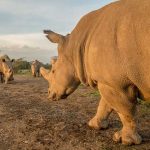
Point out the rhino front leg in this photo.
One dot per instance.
(99, 121)
(123, 101)
(1, 78)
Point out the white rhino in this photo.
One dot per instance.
(35, 68)
(108, 49)
(6, 69)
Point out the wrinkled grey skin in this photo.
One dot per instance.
(6, 69)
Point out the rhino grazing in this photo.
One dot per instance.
(108, 49)
(6, 69)
(35, 68)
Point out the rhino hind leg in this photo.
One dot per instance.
(123, 101)
(99, 121)
(128, 134)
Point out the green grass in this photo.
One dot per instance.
(81, 85)
(145, 106)
(91, 94)
(94, 94)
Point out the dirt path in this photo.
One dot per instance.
(28, 121)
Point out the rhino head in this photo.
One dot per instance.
(7, 69)
(62, 78)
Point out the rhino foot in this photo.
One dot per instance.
(96, 124)
(127, 138)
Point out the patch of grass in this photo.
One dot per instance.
(81, 85)
(91, 94)
(142, 102)
(145, 106)
(84, 94)
(94, 94)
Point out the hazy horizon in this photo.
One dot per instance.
(22, 24)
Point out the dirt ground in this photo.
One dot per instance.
(29, 121)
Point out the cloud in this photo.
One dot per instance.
(31, 39)
(30, 53)
(30, 46)
(33, 16)
(22, 23)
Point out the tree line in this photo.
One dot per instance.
(21, 64)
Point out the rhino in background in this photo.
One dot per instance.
(35, 68)
(6, 69)
(109, 49)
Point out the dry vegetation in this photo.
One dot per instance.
(31, 122)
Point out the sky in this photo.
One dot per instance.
(22, 23)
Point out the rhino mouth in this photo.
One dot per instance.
(64, 96)
(54, 97)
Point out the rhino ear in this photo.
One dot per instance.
(54, 37)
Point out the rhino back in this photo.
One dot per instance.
(108, 43)
(121, 41)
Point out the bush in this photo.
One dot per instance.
(21, 64)
(47, 66)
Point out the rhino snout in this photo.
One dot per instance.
(52, 96)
